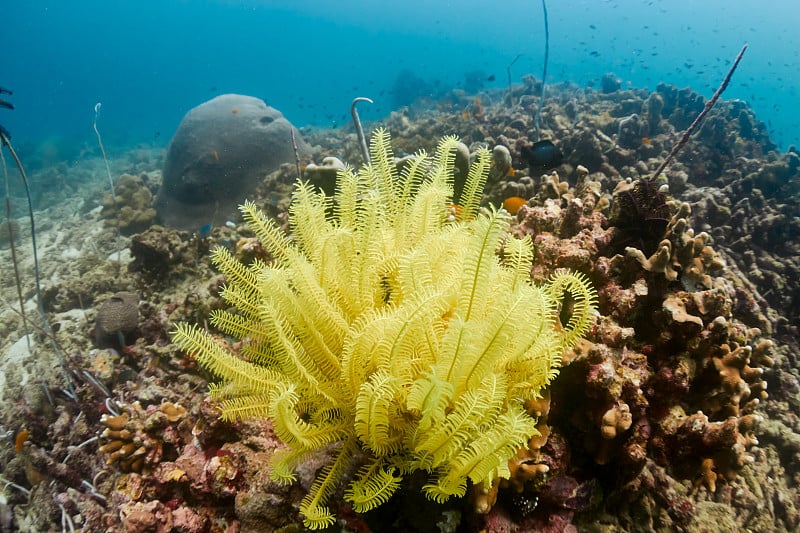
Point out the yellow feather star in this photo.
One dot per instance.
(409, 341)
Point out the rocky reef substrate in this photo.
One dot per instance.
(678, 412)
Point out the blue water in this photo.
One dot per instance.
(150, 61)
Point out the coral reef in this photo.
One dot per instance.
(658, 420)
(158, 250)
(134, 440)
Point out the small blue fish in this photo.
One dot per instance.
(205, 230)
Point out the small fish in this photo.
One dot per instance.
(592, 26)
(542, 156)
(19, 440)
(512, 204)
(204, 231)
(594, 53)
(234, 110)
(6, 91)
(216, 155)
(7, 105)
(491, 78)
(646, 141)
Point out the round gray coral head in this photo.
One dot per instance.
(220, 153)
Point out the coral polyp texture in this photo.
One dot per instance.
(394, 327)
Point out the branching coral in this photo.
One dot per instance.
(388, 328)
(134, 440)
(669, 378)
(681, 254)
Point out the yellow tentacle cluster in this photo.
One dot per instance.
(391, 327)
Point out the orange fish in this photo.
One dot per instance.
(19, 440)
(235, 111)
(512, 204)
(511, 171)
(453, 211)
(646, 141)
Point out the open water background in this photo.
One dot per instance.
(150, 61)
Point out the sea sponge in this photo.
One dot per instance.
(117, 318)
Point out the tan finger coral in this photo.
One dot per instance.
(134, 440)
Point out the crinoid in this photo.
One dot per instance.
(390, 332)
(8, 105)
(640, 213)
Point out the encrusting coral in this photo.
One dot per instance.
(389, 326)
